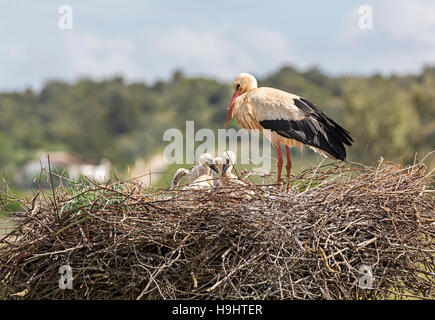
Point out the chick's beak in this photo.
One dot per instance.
(214, 167)
(224, 168)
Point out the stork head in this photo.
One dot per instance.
(229, 161)
(206, 159)
(244, 82)
(218, 162)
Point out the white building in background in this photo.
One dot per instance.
(61, 161)
(98, 173)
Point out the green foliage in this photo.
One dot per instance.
(82, 195)
(381, 117)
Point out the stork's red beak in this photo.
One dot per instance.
(230, 109)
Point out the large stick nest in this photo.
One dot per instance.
(237, 242)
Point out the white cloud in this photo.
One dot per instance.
(409, 20)
(402, 38)
(149, 54)
(222, 52)
(99, 57)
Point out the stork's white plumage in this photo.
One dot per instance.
(179, 174)
(292, 120)
(201, 176)
(229, 182)
(203, 168)
(229, 160)
(203, 182)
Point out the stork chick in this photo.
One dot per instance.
(228, 164)
(200, 174)
(180, 173)
(231, 184)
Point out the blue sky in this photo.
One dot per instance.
(147, 40)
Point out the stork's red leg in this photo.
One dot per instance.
(288, 167)
(280, 162)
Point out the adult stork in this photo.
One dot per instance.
(292, 120)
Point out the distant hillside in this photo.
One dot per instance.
(388, 116)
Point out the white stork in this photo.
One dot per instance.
(206, 167)
(292, 120)
(229, 182)
(228, 164)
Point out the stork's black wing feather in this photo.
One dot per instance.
(315, 129)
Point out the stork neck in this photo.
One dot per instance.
(238, 102)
